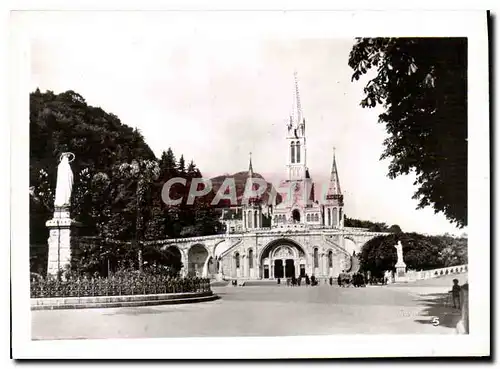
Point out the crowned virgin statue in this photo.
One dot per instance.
(64, 180)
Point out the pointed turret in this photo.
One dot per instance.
(252, 211)
(333, 214)
(250, 183)
(334, 187)
(250, 168)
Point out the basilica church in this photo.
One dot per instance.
(302, 234)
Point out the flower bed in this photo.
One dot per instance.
(117, 285)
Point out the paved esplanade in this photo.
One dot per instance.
(267, 311)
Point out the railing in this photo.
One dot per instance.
(116, 286)
(413, 275)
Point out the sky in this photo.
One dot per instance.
(216, 88)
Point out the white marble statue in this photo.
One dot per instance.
(399, 249)
(64, 180)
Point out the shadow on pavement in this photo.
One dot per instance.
(439, 309)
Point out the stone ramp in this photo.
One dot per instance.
(354, 264)
(219, 283)
(262, 282)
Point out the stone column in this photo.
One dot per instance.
(59, 241)
(245, 267)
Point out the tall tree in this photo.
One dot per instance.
(167, 164)
(420, 252)
(422, 85)
(193, 171)
(181, 168)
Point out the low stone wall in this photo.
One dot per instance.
(53, 303)
(413, 275)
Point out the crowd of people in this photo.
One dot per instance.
(343, 280)
(294, 281)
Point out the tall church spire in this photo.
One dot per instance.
(334, 186)
(297, 117)
(297, 107)
(296, 138)
(250, 168)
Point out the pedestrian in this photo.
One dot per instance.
(339, 280)
(313, 280)
(307, 280)
(299, 280)
(455, 293)
(331, 281)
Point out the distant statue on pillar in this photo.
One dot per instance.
(400, 264)
(59, 257)
(64, 182)
(399, 250)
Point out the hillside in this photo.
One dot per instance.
(240, 179)
(64, 122)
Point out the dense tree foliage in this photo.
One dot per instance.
(422, 85)
(117, 179)
(65, 122)
(420, 252)
(371, 226)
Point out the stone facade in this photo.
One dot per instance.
(270, 253)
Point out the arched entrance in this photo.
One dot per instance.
(351, 246)
(197, 256)
(174, 258)
(296, 216)
(282, 258)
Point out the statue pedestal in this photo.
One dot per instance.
(59, 240)
(400, 275)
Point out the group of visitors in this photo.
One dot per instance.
(347, 280)
(294, 281)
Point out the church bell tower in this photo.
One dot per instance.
(296, 139)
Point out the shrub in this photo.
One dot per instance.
(121, 283)
(446, 273)
(441, 272)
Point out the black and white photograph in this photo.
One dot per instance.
(249, 184)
